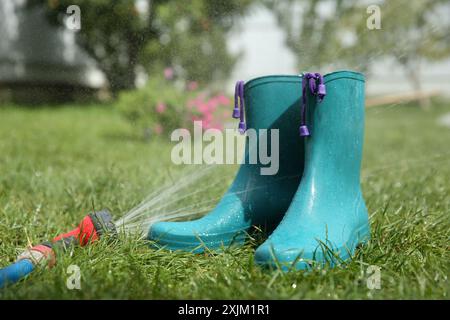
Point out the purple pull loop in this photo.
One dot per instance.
(242, 127)
(321, 90)
(312, 84)
(236, 113)
(310, 80)
(304, 132)
(239, 104)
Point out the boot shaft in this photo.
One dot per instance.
(273, 102)
(337, 128)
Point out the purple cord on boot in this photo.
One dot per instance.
(238, 111)
(310, 80)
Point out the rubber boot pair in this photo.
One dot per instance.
(315, 193)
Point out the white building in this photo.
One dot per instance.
(34, 53)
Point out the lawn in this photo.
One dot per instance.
(58, 163)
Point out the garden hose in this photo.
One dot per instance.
(15, 271)
(91, 228)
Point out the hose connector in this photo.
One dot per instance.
(39, 254)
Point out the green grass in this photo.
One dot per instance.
(56, 163)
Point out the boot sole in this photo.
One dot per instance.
(362, 234)
(217, 242)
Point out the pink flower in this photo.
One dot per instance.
(168, 73)
(208, 117)
(223, 99)
(192, 85)
(160, 107)
(158, 129)
(203, 108)
(213, 103)
(206, 124)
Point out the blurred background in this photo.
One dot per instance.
(90, 91)
(165, 63)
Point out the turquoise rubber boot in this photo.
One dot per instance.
(271, 102)
(328, 217)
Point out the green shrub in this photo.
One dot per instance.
(162, 106)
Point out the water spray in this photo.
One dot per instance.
(94, 226)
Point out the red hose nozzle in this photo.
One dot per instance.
(90, 229)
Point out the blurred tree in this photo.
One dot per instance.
(187, 36)
(335, 33)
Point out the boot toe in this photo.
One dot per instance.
(185, 236)
(283, 257)
(298, 257)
